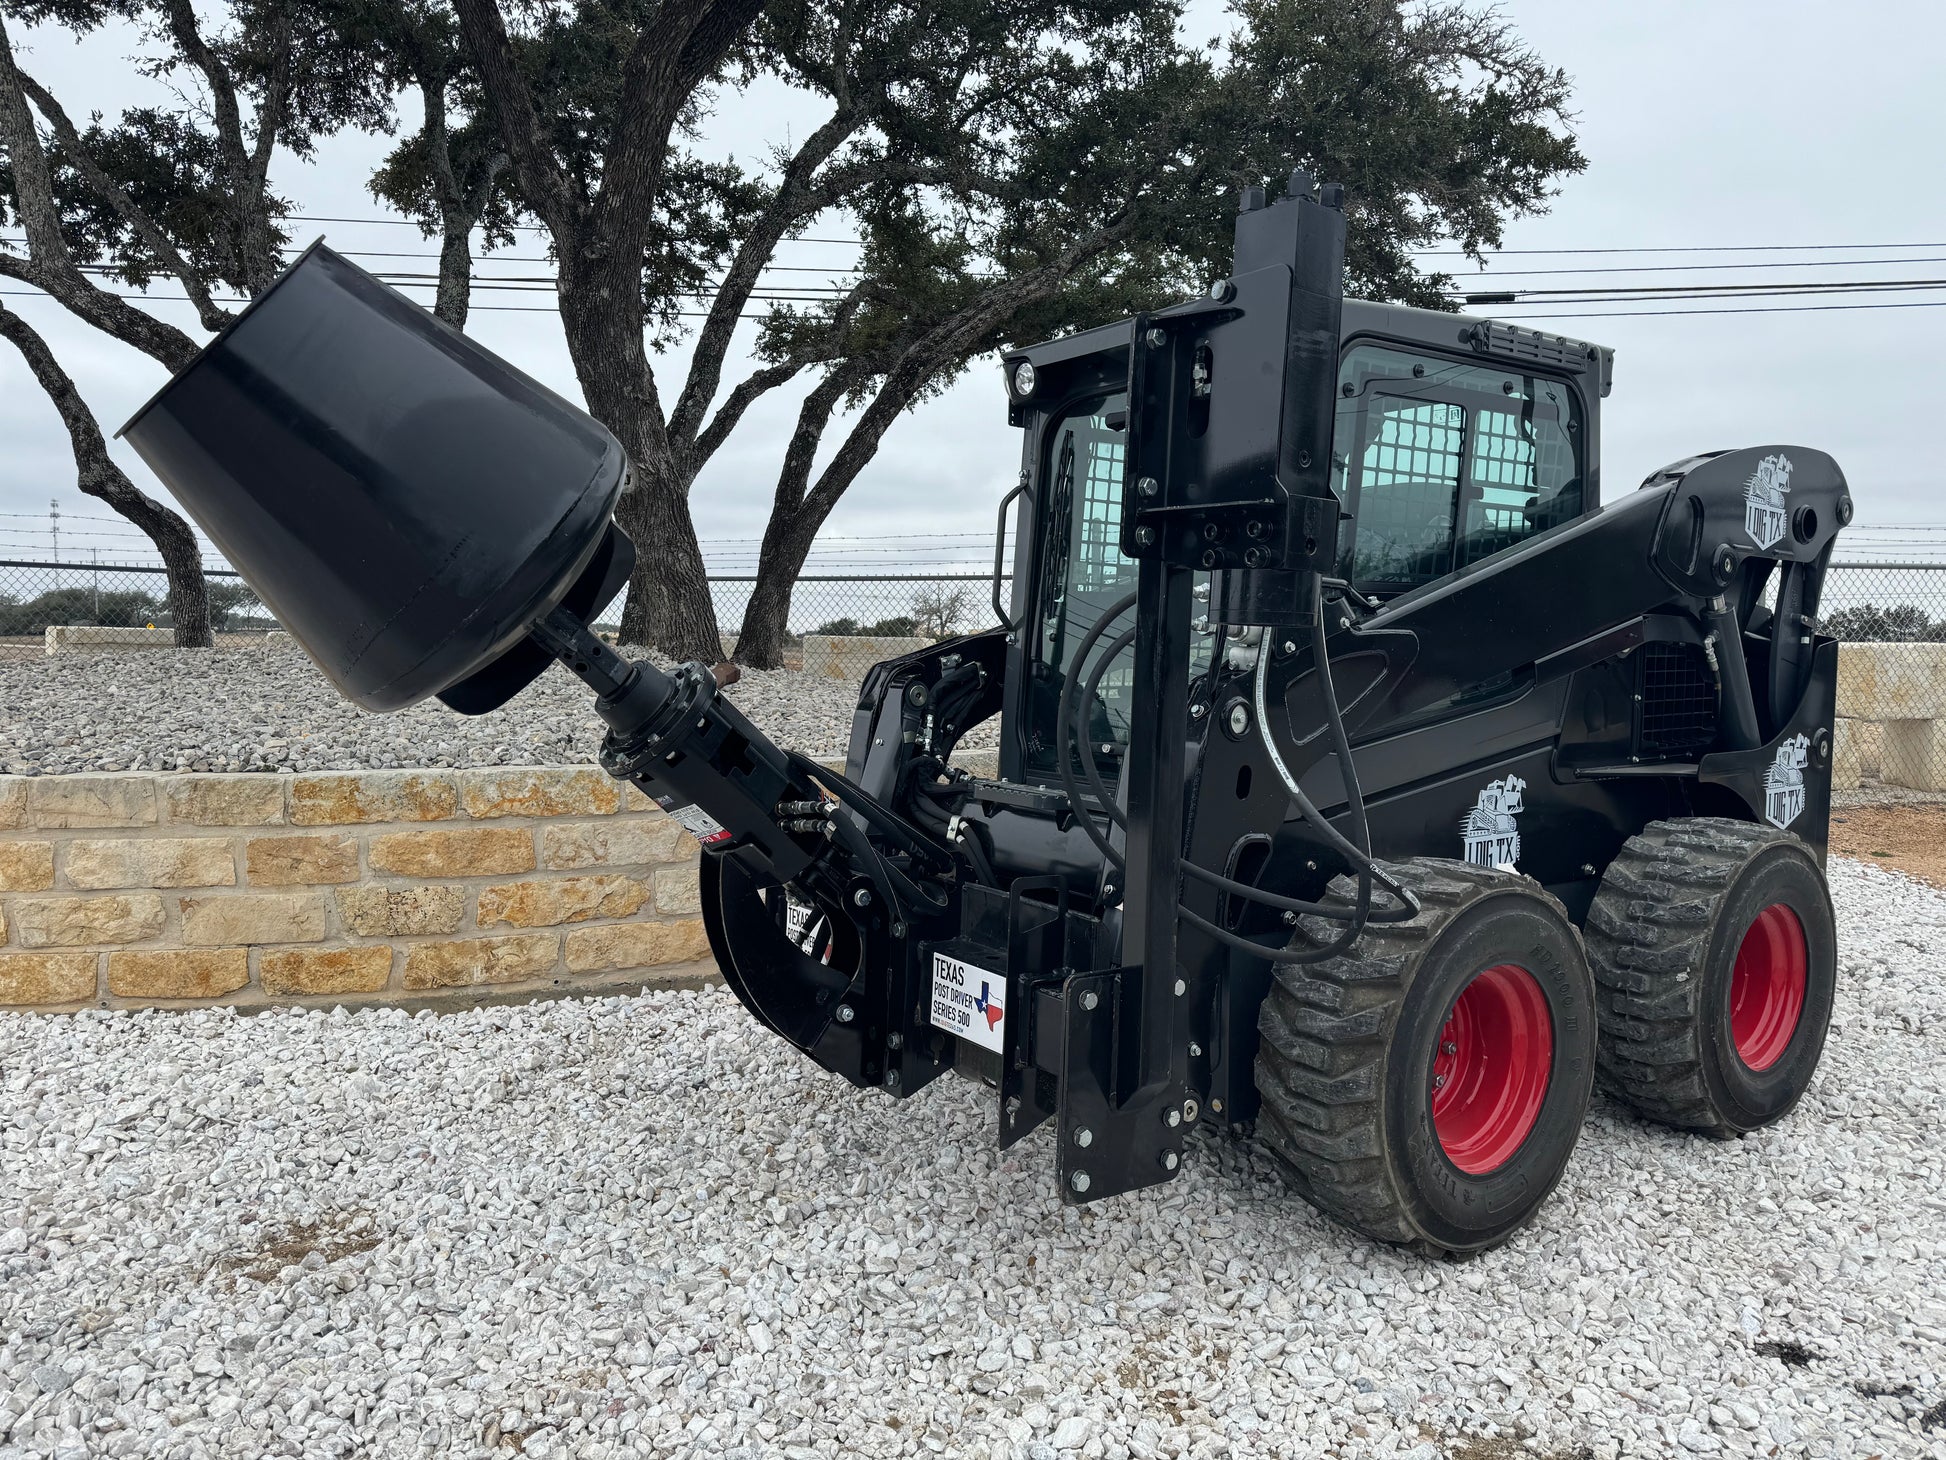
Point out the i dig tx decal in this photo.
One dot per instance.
(1784, 782)
(1489, 831)
(1764, 512)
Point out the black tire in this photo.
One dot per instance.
(1663, 937)
(1345, 1066)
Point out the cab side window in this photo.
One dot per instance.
(1441, 464)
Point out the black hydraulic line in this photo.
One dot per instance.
(891, 881)
(969, 841)
(1085, 743)
(1064, 730)
(1244, 945)
(1279, 903)
(867, 806)
(1358, 853)
(1740, 730)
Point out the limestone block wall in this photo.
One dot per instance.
(141, 888)
(848, 656)
(1892, 699)
(70, 638)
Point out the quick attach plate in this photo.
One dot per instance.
(1108, 1148)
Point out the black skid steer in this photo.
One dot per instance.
(1369, 772)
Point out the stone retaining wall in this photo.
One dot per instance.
(140, 888)
(1893, 695)
(848, 656)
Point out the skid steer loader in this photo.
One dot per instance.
(1369, 775)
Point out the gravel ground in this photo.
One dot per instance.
(258, 710)
(645, 1227)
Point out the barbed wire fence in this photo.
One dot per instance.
(1864, 603)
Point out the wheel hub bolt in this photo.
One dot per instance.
(1439, 1082)
(1449, 1048)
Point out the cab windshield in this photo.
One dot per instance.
(1080, 573)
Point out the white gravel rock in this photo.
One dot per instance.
(272, 710)
(675, 1237)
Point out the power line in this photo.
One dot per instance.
(1610, 293)
(540, 228)
(1748, 309)
(1694, 268)
(477, 308)
(1684, 248)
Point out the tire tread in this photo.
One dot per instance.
(1648, 934)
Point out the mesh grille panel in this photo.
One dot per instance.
(1678, 698)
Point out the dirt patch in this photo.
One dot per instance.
(1788, 1351)
(1509, 1444)
(1910, 838)
(341, 1235)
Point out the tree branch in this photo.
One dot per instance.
(678, 49)
(270, 114)
(746, 393)
(40, 215)
(252, 246)
(212, 315)
(512, 103)
(759, 245)
(937, 349)
(99, 476)
(48, 265)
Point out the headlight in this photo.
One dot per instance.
(1024, 379)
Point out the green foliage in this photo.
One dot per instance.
(119, 609)
(230, 602)
(170, 169)
(1089, 120)
(171, 161)
(1897, 623)
(899, 626)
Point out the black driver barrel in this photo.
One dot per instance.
(406, 503)
(427, 520)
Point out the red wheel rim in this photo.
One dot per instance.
(1767, 987)
(1490, 1071)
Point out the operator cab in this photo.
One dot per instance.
(1455, 440)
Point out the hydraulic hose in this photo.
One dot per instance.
(1085, 744)
(1358, 851)
(1064, 731)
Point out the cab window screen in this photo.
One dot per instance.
(1442, 464)
(1080, 573)
(1409, 475)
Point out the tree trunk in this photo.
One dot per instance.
(97, 474)
(766, 618)
(669, 605)
(188, 589)
(455, 292)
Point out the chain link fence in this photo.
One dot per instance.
(1892, 680)
(35, 596)
(1891, 696)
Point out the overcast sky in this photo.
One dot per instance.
(1727, 125)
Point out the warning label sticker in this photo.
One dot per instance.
(698, 822)
(969, 1001)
